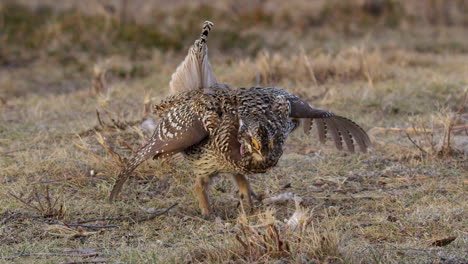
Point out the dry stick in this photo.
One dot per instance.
(192, 217)
(81, 223)
(88, 252)
(233, 230)
(98, 115)
(103, 126)
(117, 124)
(28, 204)
(58, 198)
(461, 109)
(92, 226)
(310, 69)
(123, 141)
(53, 254)
(134, 221)
(17, 150)
(87, 261)
(144, 219)
(38, 200)
(49, 203)
(6, 219)
(407, 130)
(459, 127)
(99, 220)
(431, 139)
(34, 142)
(414, 143)
(118, 159)
(88, 151)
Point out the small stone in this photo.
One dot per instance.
(314, 188)
(319, 182)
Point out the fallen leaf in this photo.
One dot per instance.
(444, 242)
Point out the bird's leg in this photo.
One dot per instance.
(244, 189)
(201, 191)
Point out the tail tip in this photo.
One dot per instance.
(208, 23)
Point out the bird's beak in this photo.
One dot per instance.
(257, 154)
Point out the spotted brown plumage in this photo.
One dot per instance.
(223, 130)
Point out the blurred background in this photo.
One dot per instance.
(77, 33)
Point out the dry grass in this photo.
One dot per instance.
(401, 74)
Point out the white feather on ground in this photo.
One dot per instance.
(300, 216)
(283, 198)
(148, 126)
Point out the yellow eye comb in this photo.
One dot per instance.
(255, 143)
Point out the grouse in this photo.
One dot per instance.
(223, 130)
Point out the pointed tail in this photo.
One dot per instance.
(144, 153)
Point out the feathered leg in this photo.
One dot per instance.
(244, 189)
(201, 191)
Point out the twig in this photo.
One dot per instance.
(99, 220)
(134, 221)
(151, 217)
(28, 204)
(459, 127)
(427, 138)
(118, 159)
(93, 226)
(18, 150)
(99, 118)
(126, 144)
(6, 219)
(233, 230)
(100, 260)
(117, 126)
(88, 151)
(407, 130)
(309, 67)
(414, 143)
(321, 94)
(460, 111)
(85, 253)
(38, 200)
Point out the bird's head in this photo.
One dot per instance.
(255, 140)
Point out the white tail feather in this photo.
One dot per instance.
(195, 71)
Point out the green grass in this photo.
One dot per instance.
(386, 206)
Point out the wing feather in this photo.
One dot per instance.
(169, 137)
(307, 124)
(335, 132)
(340, 128)
(322, 130)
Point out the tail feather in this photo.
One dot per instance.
(342, 129)
(339, 128)
(144, 153)
(195, 71)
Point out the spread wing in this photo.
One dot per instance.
(340, 128)
(195, 71)
(175, 132)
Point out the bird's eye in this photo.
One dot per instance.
(255, 143)
(272, 142)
